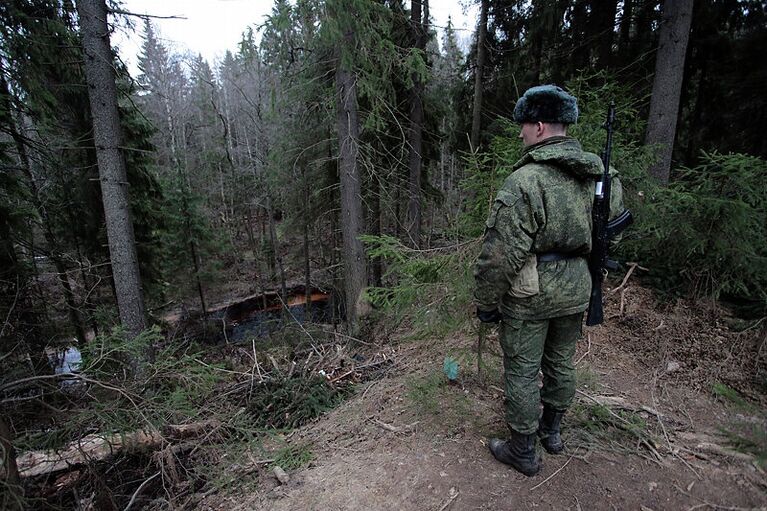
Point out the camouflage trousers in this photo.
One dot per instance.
(546, 345)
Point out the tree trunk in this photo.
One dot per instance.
(355, 267)
(478, 74)
(579, 22)
(415, 135)
(376, 230)
(537, 34)
(625, 27)
(307, 254)
(102, 94)
(603, 29)
(667, 84)
(277, 257)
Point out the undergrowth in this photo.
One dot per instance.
(429, 290)
(747, 431)
(289, 402)
(433, 396)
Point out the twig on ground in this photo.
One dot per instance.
(140, 489)
(372, 384)
(341, 377)
(588, 349)
(673, 452)
(394, 429)
(223, 330)
(623, 300)
(632, 267)
(453, 495)
(624, 424)
(705, 503)
(560, 469)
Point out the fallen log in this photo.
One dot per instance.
(100, 446)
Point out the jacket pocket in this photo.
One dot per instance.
(526, 282)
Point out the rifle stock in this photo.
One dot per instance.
(595, 315)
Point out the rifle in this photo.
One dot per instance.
(603, 229)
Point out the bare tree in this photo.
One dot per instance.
(102, 93)
(667, 84)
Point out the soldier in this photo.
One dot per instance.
(532, 274)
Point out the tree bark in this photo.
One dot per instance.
(667, 83)
(415, 135)
(102, 93)
(480, 70)
(351, 194)
(376, 214)
(579, 23)
(307, 254)
(277, 257)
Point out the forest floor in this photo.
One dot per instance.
(679, 425)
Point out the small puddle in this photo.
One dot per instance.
(67, 360)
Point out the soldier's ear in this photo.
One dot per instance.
(539, 128)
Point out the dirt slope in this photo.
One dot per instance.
(411, 441)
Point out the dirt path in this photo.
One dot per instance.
(411, 441)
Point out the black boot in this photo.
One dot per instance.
(548, 430)
(518, 451)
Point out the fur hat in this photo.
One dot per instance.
(546, 103)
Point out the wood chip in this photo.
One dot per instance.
(281, 475)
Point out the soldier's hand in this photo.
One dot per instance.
(493, 316)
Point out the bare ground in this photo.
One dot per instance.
(411, 441)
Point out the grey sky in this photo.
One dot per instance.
(213, 26)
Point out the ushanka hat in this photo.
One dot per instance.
(546, 103)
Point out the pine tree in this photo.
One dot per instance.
(667, 84)
(108, 139)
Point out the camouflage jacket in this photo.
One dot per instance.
(543, 206)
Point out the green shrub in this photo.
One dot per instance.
(431, 289)
(290, 402)
(708, 229)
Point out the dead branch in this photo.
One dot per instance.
(632, 267)
(452, 495)
(705, 503)
(560, 469)
(623, 300)
(140, 489)
(588, 350)
(99, 447)
(394, 429)
(145, 16)
(707, 444)
(619, 402)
